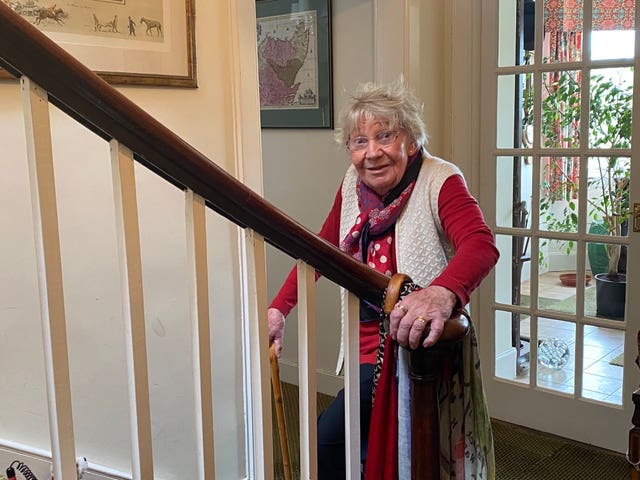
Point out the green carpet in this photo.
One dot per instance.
(291, 418)
(521, 453)
(524, 454)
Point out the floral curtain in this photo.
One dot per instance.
(563, 25)
(567, 15)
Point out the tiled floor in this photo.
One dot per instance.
(601, 380)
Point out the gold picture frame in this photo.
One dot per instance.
(147, 42)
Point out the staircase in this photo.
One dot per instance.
(141, 317)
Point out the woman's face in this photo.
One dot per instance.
(380, 166)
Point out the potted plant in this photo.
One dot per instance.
(610, 127)
(608, 181)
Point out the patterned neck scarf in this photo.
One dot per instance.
(377, 217)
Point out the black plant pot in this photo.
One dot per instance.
(610, 295)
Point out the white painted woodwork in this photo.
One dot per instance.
(128, 242)
(260, 370)
(390, 52)
(199, 313)
(566, 414)
(49, 264)
(246, 145)
(307, 370)
(464, 130)
(352, 387)
(245, 94)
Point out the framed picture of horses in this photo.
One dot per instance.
(294, 63)
(146, 42)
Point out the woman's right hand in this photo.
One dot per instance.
(275, 320)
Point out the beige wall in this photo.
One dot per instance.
(93, 307)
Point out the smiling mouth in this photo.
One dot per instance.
(378, 168)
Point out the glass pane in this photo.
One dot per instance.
(608, 196)
(557, 276)
(610, 104)
(613, 24)
(603, 364)
(512, 348)
(562, 31)
(513, 197)
(559, 180)
(612, 44)
(515, 111)
(513, 271)
(560, 114)
(514, 48)
(590, 294)
(556, 354)
(608, 262)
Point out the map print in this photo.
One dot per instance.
(287, 61)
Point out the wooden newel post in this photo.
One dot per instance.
(633, 452)
(633, 449)
(425, 370)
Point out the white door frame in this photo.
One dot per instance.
(571, 416)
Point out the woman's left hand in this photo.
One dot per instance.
(430, 306)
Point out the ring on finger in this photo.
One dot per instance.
(421, 320)
(402, 308)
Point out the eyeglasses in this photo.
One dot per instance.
(382, 139)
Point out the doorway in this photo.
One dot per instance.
(558, 98)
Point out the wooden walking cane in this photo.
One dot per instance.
(277, 396)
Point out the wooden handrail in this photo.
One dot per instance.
(80, 93)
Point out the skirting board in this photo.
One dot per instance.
(39, 462)
(326, 382)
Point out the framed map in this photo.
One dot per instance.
(141, 42)
(294, 63)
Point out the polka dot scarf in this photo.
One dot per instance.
(370, 240)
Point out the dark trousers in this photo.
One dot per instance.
(331, 453)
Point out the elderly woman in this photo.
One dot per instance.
(399, 209)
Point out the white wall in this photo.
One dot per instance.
(94, 321)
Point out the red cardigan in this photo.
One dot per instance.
(464, 226)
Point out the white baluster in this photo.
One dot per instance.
(128, 237)
(47, 241)
(352, 387)
(307, 371)
(259, 356)
(199, 313)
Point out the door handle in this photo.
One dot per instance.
(635, 213)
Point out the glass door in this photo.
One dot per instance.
(559, 79)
